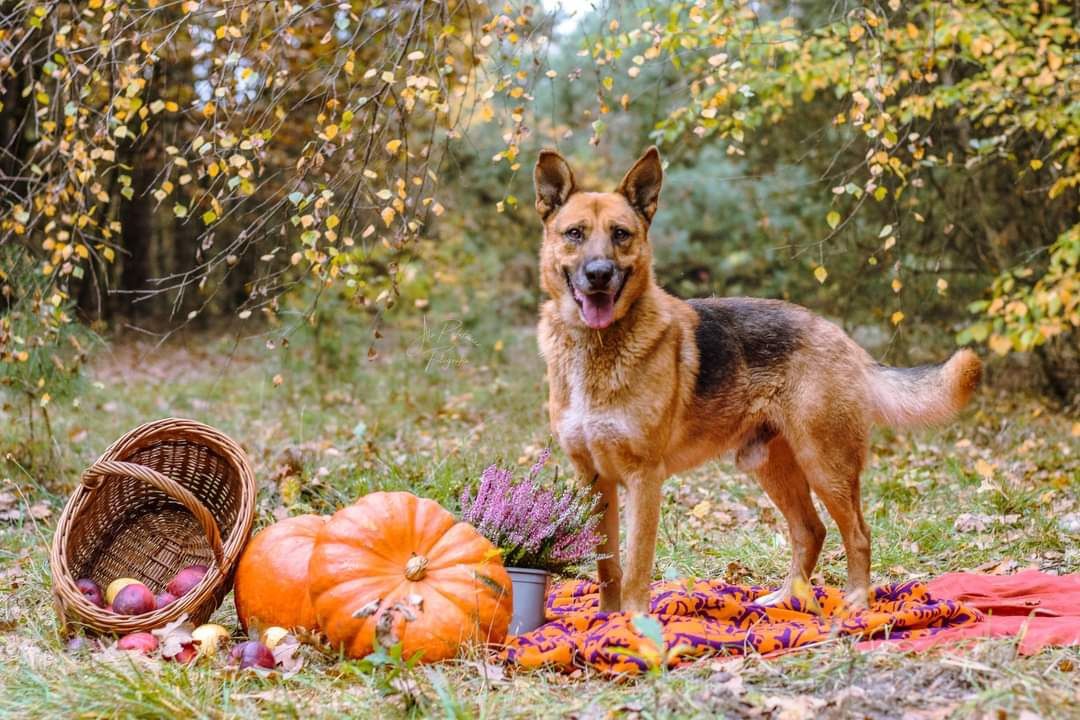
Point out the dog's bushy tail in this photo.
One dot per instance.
(924, 395)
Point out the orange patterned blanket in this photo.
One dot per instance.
(700, 618)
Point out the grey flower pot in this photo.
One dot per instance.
(530, 592)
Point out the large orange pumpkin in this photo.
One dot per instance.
(272, 575)
(393, 567)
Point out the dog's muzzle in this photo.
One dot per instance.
(596, 286)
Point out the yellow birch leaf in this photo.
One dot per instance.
(1000, 344)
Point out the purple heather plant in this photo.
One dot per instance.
(535, 526)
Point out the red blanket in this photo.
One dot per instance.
(1043, 610)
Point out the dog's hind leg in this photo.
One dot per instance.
(833, 468)
(784, 482)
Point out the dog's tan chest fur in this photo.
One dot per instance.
(613, 402)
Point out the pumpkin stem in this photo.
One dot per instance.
(416, 567)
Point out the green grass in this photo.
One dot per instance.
(441, 401)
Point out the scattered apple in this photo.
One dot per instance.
(253, 654)
(187, 653)
(163, 598)
(210, 637)
(115, 587)
(91, 591)
(273, 635)
(133, 599)
(186, 579)
(142, 642)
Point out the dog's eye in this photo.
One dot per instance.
(573, 234)
(620, 234)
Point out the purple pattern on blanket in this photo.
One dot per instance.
(702, 618)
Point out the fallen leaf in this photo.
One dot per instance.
(797, 707)
(174, 636)
(972, 522)
(701, 509)
(493, 672)
(287, 656)
(938, 712)
(727, 681)
(998, 567)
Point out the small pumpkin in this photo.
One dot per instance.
(393, 567)
(272, 575)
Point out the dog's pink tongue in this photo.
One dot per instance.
(598, 309)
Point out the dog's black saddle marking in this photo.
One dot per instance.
(731, 331)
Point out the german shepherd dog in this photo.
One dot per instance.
(644, 385)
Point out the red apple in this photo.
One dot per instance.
(115, 587)
(91, 591)
(134, 599)
(142, 642)
(186, 579)
(108, 608)
(163, 598)
(253, 654)
(187, 653)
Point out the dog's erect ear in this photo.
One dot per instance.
(641, 186)
(554, 182)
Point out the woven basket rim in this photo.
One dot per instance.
(73, 607)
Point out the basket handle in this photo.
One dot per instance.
(95, 475)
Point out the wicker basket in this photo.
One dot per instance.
(168, 494)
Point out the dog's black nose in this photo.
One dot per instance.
(599, 272)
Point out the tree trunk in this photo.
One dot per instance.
(137, 233)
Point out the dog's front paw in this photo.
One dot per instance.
(610, 602)
(636, 603)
